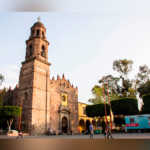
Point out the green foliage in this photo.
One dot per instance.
(125, 106)
(1, 78)
(143, 80)
(2, 95)
(123, 66)
(9, 112)
(146, 106)
(97, 90)
(132, 93)
(144, 89)
(143, 74)
(111, 84)
(97, 110)
(97, 93)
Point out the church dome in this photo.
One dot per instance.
(39, 24)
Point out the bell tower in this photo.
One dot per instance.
(34, 82)
(37, 44)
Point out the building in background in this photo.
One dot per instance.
(85, 121)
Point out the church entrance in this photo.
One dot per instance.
(64, 125)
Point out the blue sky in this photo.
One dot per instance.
(83, 42)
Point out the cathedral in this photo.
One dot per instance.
(47, 103)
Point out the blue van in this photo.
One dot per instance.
(138, 123)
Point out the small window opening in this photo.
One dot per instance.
(30, 50)
(43, 51)
(43, 35)
(38, 32)
(32, 32)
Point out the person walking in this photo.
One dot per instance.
(91, 130)
(20, 135)
(108, 134)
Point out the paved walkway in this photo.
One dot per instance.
(101, 136)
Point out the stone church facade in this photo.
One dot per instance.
(46, 103)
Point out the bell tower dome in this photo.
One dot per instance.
(37, 44)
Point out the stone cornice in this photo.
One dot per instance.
(32, 38)
(36, 58)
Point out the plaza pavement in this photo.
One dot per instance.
(100, 136)
(132, 141)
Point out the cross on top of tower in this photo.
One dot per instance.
(39, 19)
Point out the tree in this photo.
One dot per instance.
(142, 82)
(1, 79)
(98, 95)
(146, 106)
(97, 110)
(143, 75)
(9, 113)
(144, 89)
(125, 106)
(111, 86)
(108, 85)
(1, 91)
(2, 95)
(123, 66)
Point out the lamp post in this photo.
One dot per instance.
(107, 88)
(105, 105)
(109, 105)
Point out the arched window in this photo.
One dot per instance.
(94, 122)
(81, 123)
(26, 95)
(38, 32)
(43, 34)
(30, 50)
(43, 51)
(99, 123)
(63, 98)
(84, 110)
(32, 32)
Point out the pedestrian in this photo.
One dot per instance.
(48, 132)
(103, 127)
(108, 134)
(91, 130)
(20, 135)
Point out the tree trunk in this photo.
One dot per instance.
(9, 123)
